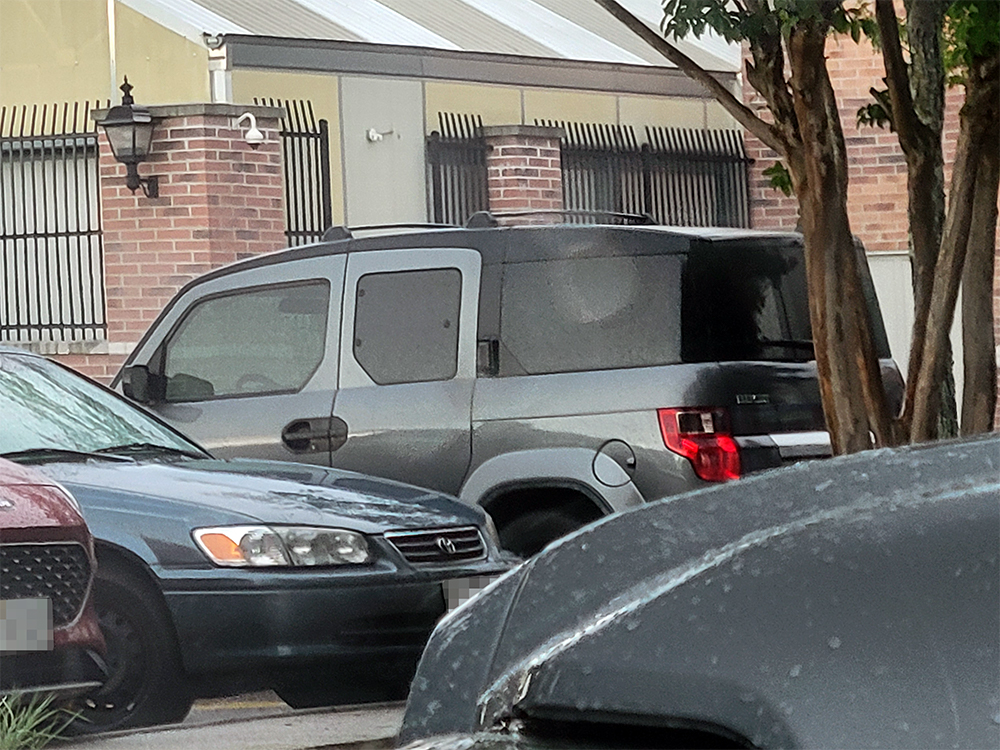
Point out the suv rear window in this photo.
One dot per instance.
(590, 314)
(721, 302)
(745, 302)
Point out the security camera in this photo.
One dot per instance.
(253, 136)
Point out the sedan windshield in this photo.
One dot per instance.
(49, 413)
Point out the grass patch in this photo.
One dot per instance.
(30, 722)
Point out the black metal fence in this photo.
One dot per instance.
(305, 144)
(51, 248)
(678, 177)
(456, 169)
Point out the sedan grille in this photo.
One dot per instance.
(59, 572)
(438, 545)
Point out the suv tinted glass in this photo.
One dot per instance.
(406, 325)
(745, 303)
(263, 340)
(590, 314)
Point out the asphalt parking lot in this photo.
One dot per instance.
(260, 721)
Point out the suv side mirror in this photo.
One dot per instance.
(143, 386)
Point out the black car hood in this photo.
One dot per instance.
(843, 603)
(265, 491)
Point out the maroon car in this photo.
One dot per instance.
(50, 641)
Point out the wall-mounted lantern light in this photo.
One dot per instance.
(129, 128)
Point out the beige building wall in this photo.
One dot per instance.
(53, 51)
(569, 106)
(497, 105)
(58, 51)
(323, 91)
(164, 67)
(504, 105)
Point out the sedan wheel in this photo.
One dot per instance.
(145, 683)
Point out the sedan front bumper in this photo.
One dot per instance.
(231, 620)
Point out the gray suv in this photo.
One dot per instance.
(550, 373)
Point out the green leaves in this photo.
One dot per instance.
(878, 113)
(780, 179)
(749, 21)
(971, 31)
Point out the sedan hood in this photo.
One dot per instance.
(767, 610)
(264, 491)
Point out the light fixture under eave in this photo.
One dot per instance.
(129, 128)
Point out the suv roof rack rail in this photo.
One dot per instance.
(340, 232)
(484, 219)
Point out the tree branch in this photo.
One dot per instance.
(766, 132)
(904, 119)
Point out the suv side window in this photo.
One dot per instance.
(585, 314)
(406, 325)
(261, 340)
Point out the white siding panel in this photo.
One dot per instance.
(376, 23)
(552, 30)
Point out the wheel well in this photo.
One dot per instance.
(511, 502)
(129, 565)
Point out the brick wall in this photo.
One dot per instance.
(524, 168)
(219, 201)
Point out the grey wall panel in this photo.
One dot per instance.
(385, 179)
(891, 276)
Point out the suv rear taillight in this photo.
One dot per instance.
(704, 437)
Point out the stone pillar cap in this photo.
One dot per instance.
(208, 109)
(531, 131)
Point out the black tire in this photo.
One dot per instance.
(527, 534)
(146, 683)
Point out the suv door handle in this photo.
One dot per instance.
(315, 434)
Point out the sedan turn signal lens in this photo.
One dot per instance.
(296, 546)
(242, 546)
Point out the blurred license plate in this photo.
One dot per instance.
(25, 625)
(458, 591)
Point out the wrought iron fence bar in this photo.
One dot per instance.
(50, 237)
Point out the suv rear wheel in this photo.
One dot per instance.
(527, 520)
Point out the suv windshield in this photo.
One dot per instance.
(47, 409)
(745, 302)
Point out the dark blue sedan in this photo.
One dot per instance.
(216, 576)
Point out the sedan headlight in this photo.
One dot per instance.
(263, 546)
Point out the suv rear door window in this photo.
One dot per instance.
(745, 302)
(406, 325)
(590, 314)
(262, 340)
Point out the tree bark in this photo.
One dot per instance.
(850, 382)
(981, 95)
(917, 117)
(980, 390)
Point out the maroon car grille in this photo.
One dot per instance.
(59, 572)
(439, 545)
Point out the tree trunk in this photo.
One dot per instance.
(850, 382)
(980, 108)
(979, 396)
(917, 96)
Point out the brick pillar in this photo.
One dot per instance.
(524, 168)
(220, 200)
